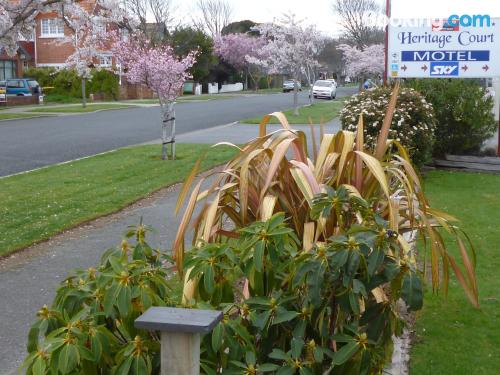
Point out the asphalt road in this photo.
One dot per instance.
(33, 143)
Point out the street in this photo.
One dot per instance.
(33, 143)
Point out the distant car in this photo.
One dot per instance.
(3, 93)
(333, 81)
(21, 86)
(289, 85)
(324, 89)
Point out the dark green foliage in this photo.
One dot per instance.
(44, 76)
(106, 83)
(89, 329)
(286, 310)
(67, 82)
(64, 84)
(238, 27)
(329, 308)
(463, 113)
(186, 39)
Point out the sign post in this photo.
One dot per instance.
(458, 47)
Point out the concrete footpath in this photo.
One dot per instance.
(28, 279)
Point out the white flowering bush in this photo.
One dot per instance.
(413, 123)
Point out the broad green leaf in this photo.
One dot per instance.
(285, 316)
(124, 300)
(297, 346)
(286, 371)
(96, 347)
(208, 279)
(250, 358)
(39, 366)
(412, 291)
(267, 367)
(68, 358)
(345, 353)
(217, 337)
(259, 256)
(279, 354)
(124, 368)
(139, 366)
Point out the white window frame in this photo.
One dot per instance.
(105, 60)
(51, 28)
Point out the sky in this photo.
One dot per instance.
(320, 11)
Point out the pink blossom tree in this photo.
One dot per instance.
(159, 69)
(241, 51)
(362, 63)
(291, 49)
(88, 30)
(17, 18)
(90, 38)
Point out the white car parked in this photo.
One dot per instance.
(324, 89)
(333, 81)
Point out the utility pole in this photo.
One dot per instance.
(388, 17)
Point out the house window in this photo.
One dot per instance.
(52, 27)
(7, 69)
(105, 60)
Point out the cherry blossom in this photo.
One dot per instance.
(291, 49)
(369, 61)
(159, 69)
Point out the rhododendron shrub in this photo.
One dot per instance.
(413, 124)
(159, 69)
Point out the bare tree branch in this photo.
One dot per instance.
(215, 15)
(354, 15)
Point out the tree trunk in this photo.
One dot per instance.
(311, 97)
(84, 94)
(295, 98)
(168, 120)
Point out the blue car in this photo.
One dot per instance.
(21, 87)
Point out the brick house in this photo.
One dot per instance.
(49, 29)
(13, 66)
(47, 49)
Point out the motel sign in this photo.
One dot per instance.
(430, 49)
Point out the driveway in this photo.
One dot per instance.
(33, 143)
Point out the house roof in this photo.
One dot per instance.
(25, 47)
(28, 48)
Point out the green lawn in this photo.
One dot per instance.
(262, 91)
(319, 111)
(453, 337)
(183, 98)
(36, 205)
(79, 108)
(11, 116)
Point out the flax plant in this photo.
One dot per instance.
(274, 173)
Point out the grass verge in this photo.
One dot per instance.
(181, 99)
(319, 111)
(79, 109)
(452, 336)
(13, 116)
(39, 204)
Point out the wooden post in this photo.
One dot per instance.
(180, 331)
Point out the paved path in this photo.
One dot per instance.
(28, 279)
(32, 143)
